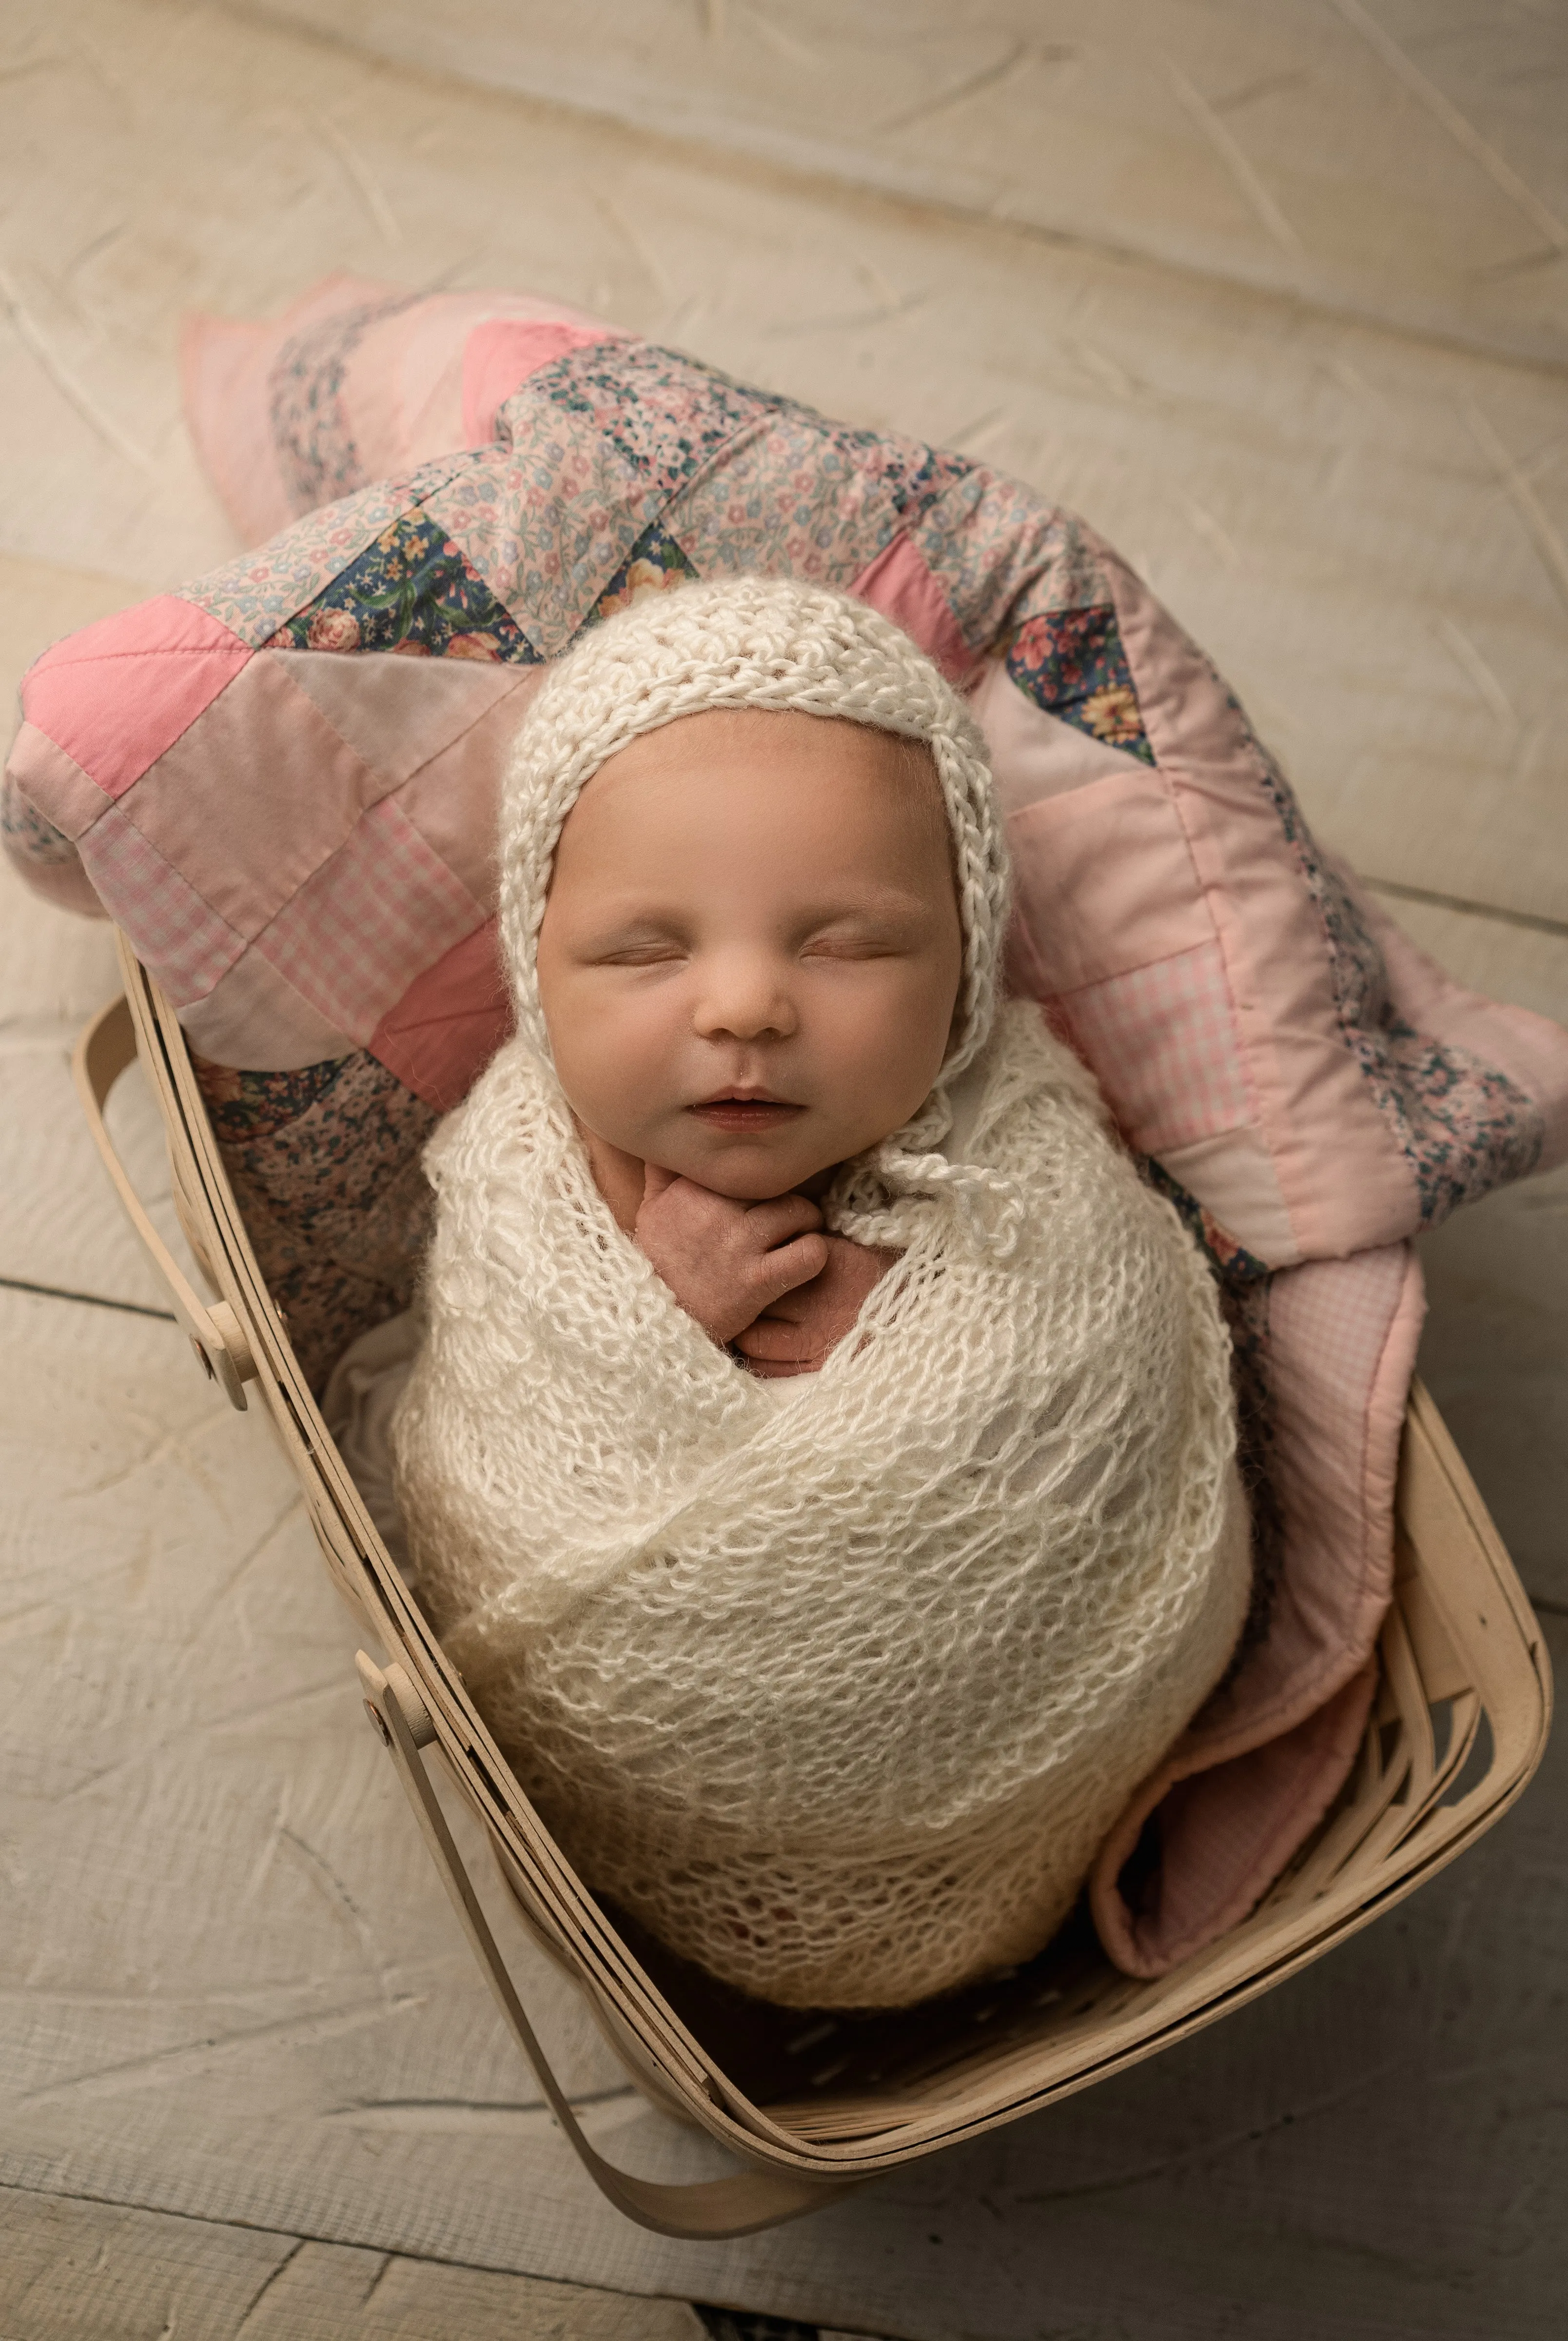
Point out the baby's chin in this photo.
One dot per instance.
(755, 1175)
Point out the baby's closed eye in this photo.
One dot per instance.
(897, 932)
(654, 953)
(854, 946)
(631, 938)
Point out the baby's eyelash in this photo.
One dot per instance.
(640, 954)
(849, 947)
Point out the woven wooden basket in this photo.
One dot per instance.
(812, 2107)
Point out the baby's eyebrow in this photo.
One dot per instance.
(884, 903)
(632, 909)
(619, 918)
(613, 934)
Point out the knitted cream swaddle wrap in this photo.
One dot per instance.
(837, 1683)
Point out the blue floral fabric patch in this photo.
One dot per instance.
(412, 591)
(654, 564)
(1231, 1262)
(1072, 664)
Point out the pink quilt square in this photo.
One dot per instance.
(116, 695)
(1163, 1043)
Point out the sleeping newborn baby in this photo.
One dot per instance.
(819, 1457)
(749, 965)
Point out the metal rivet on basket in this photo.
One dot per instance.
(207, 1361)
(379, 1720)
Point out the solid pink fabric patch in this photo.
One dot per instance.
(1105, 882)
(449, 1023)
(501, 356)
(899, 584)
(1226, 1834)
(117, 695)
(1258, 1767)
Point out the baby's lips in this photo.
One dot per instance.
(740, 1114)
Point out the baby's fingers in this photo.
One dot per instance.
(786, 1266)
(771, 1342)
(768, 1225)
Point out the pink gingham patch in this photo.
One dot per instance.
(1163, 1041)
(383, 908)
(170, 926)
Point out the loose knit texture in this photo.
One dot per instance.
(838, 1685)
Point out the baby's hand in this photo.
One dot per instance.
(725, 1260)
(795, 1333)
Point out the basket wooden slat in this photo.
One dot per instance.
(1458, 1726)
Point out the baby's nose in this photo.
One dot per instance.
(745, 999)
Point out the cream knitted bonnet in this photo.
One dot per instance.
(769, 642)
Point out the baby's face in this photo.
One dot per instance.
(750, 951)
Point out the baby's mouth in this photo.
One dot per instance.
(742, 1111)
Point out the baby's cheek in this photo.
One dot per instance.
(880, 1062)
(612, 1063)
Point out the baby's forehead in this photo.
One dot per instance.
(785, 789)
(764, 752)
(779, 736)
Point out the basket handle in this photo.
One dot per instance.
(707, 2210)
(102, 1054)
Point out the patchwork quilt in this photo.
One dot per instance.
(281, 782)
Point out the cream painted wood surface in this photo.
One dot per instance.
(238, 2018)
(1394, 159)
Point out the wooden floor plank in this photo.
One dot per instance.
(79, 2271)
